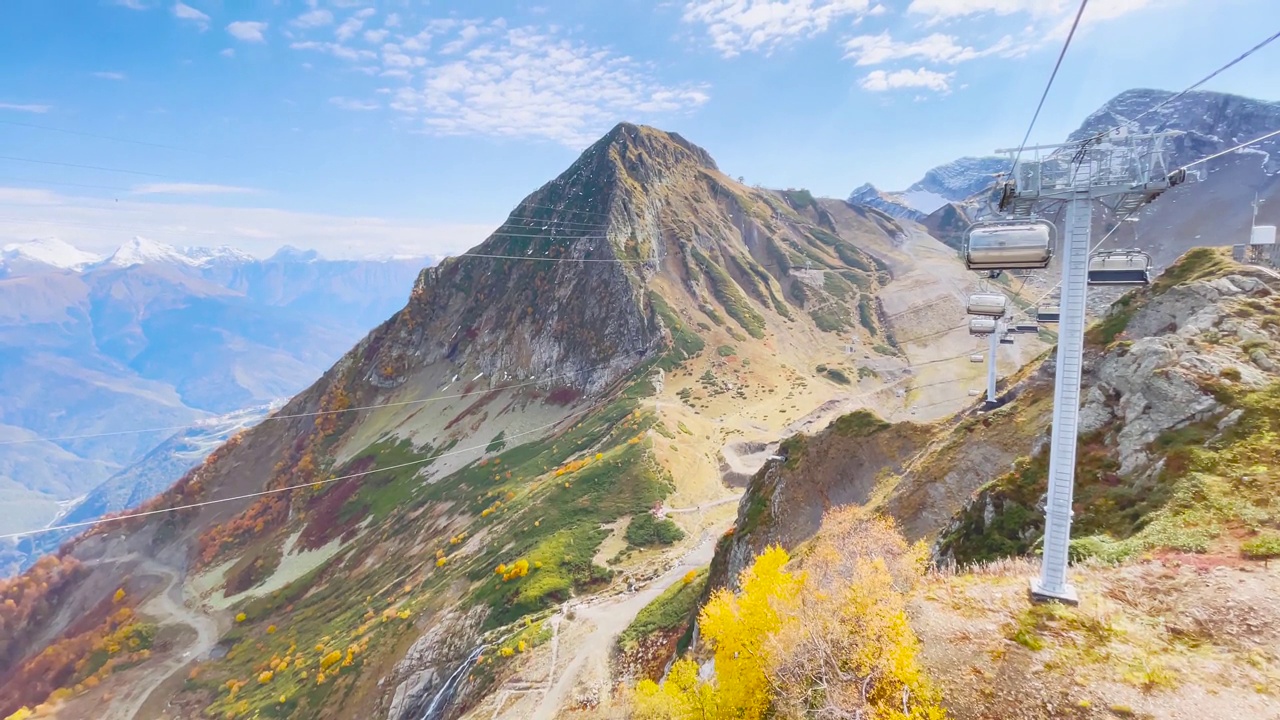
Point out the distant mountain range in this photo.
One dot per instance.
(157, 336)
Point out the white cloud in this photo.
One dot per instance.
(393, 20)
(101, 225)
(182, 11)
(131, 4)
(19, 107)
(109, 75)
(227, 52)
(349, 104)
(877, 11)
(736, 26)
(937, 10)
(247, 31)
(880, 81)
(529, 83)
(373, 37)
(335, 49)
(189, 189)
(313, 19)
(936, 48)
(353, 24)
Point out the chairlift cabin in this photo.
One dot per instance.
(988, 304)
(1009, 245)
(975, 358)
(982, 326)
(1006, 340)
(1120, 267)
(1027, 328)
(1048, 314)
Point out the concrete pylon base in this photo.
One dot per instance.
(1040, 594)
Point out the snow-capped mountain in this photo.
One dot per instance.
(953, 182)
(43, 254)
(141, 251)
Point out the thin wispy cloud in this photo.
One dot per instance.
(580, 91)
(227, 52)
(738, 26)
(131, 4)
(101, 225)
(247, 30)
(349, 104)
(313, 19)
(881, 81)
(109, 75)
(25, 107)
(935, 48)
(353, 25)
(182, 11)
(190, 189)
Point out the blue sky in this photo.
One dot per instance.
(360, 127)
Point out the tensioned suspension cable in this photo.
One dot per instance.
(319, 413)
(1048, 85)
(273, 491)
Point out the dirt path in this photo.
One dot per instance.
(610, 616)
(168, 607)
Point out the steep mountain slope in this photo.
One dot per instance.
(162, 337)
(618, 354)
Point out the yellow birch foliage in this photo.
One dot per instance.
(831, 641)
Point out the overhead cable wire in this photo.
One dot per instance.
(319, 413)
(99, 137)
(1049, 85)
(86, 167)
(274, 491)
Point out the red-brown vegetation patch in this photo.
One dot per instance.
(562, 396)
(474, 407)
(326, 517)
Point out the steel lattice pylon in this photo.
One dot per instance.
(1124, 171)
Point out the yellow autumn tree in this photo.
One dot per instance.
(830, 641)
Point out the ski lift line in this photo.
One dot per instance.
(273, 491)
(68, 184)
(1202, 81)
(539, 258)
(50, 128)
(294, 416)
(1048, 85)
(1134, 211)
(87, 167)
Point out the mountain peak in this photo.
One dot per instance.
(48, 251)
(140, 250)
(289, 253)
(657, 144)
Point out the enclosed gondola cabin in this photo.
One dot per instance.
(975, 358)
(1120, 267)
(987, 304)
(982, 326)
(1026, 328)
(1006, 340)
(1048, 314)
(1009, 245)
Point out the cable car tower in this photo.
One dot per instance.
(1124, 171)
